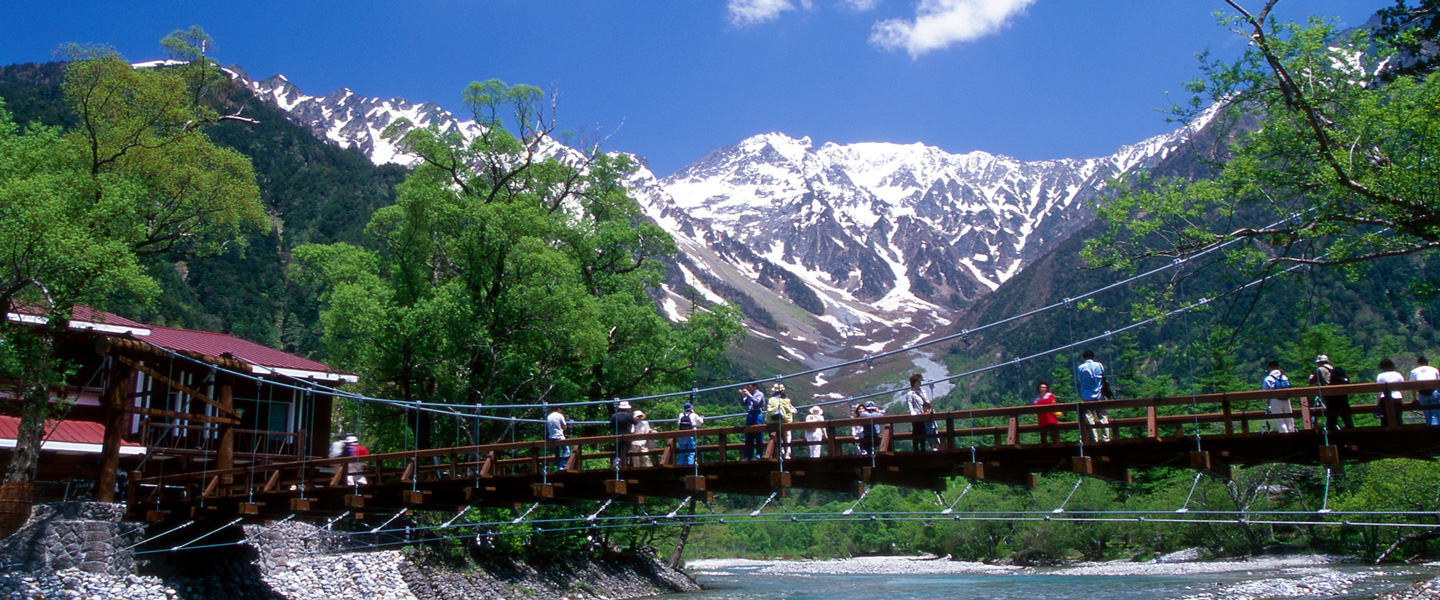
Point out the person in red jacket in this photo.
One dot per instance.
(1049, 421)
(353, 449)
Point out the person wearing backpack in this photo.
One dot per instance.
(782, 412)
(689, 421)
(1336, 406)
(1276, 380)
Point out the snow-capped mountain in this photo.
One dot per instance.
(349, 120)
(831, 251)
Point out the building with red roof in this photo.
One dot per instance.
(147, 398)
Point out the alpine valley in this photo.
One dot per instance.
(833, 252)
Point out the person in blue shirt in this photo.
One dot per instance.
(753, 401)
(1090, 378)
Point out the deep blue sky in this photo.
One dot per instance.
(673, 79)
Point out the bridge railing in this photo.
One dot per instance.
(1225, 414)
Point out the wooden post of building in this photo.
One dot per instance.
(123, 378)
(225, 446)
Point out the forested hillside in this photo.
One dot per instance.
(312, 192)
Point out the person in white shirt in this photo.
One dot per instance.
(1276, 380)
(555, 432)
(639, 449)
(815, 435)
(1427, 397)
(1388, 374)
(918, 404)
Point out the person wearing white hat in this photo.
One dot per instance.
(782, 412)
(639, 449)
(815, 435)
(623, 423)
(1336, 406)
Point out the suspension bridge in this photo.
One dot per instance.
(1210, 433)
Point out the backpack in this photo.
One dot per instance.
(685, 422)
(1337, 376)
(1281, 383)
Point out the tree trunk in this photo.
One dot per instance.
(35, 400)
(684, 537)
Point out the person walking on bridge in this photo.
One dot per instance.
(1049, 422)
(816, 434)
(555, 426)
(753, 401)
(623, 423)
(640, 449)
(858, 431)
(1276, 407)
(919, 404)
(1427, 397)
(689, 421)
(1335, 405)
(1388, 374)
(782, 412)
(1090, 378)
(871, 442)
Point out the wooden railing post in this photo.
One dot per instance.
(1225, 408)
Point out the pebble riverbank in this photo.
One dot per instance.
(291, 561)
(1304, 576)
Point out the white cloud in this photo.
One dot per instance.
(940, 23)
(754, 12)
(860, 6)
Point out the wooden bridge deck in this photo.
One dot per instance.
(1211, 433)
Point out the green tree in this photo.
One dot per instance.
(136, 176)
(510, 270)
(1321, 140)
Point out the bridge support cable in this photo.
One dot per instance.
(671, 514)
(1325, 500)
(1061, 509)
(151, 539)
(331, 523)
(591, 518)
(951, 508)
(1193, 484)
(458, 514)
(392, 518)
(756, 512)
(217, 530)
(517, 520)
(863, 494)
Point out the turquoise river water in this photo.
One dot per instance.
(1332, 582)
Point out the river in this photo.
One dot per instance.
(911, 579)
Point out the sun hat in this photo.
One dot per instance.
(1322, 359)
(870, 404)
(777, 388)
(352, 439)
(688, 406)
(624, 405)
(639, 414)
(815, 410)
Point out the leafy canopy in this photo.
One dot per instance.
(510, 269)
(1329, 156)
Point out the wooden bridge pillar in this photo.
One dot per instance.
(122, 378)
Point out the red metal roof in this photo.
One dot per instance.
(217, 344)
(202, 342)
(65, 432)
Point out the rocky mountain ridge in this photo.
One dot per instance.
(835, 251)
